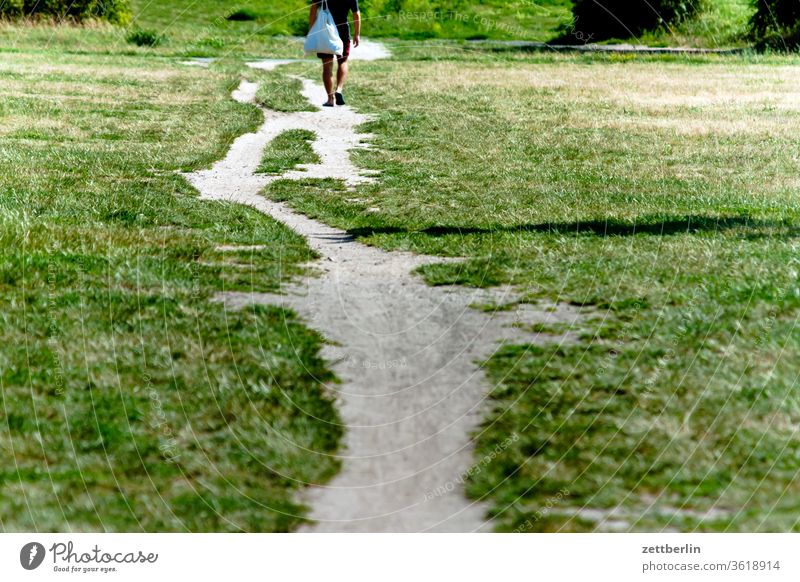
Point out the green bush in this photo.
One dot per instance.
(214, 42)
(604, 19)
(144, 38)
(12, 8)
(775, 14)
(776, 24)
(242, 15)
(115, 11)
(298, 25)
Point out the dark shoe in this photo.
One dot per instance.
(326, 104)
(339, 98)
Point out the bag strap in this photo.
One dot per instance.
(325, 5)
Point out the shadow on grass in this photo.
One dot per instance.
(647, 225)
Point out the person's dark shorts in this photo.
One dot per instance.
(341, 59)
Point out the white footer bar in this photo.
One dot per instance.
(390, 557)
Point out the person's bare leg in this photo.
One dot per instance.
(341, 76)
(327, 79)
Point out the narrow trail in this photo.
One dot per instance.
(412, 393)
(590, 47)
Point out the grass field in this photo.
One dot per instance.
(287, 151)
(657, 193)
(208, 31)
(404, 19)
(192, 28)
(723, 23)
(130, 400)
(660, 194)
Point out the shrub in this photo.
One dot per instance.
(12, 8)
(214, 42)
(144, 38)
(242, 15)
(298, 25)
(775, 15)
(776, 24)
(604, 19)
(115, 11)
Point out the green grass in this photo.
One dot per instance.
(132, 399)
(287, 151)
(658, 193)
(242, 15)
(185, 28)
(463, 19)
(280, 91)
(220, 16)
(144, 38)
(408, 20)
(722, 24)
(214, 28)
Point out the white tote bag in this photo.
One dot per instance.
(324, 36)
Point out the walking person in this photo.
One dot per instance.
(340, 9)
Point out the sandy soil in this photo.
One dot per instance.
(411, 394)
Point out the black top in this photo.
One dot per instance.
(340, 9)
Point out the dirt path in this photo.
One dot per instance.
(411, 392)
(622, 48)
